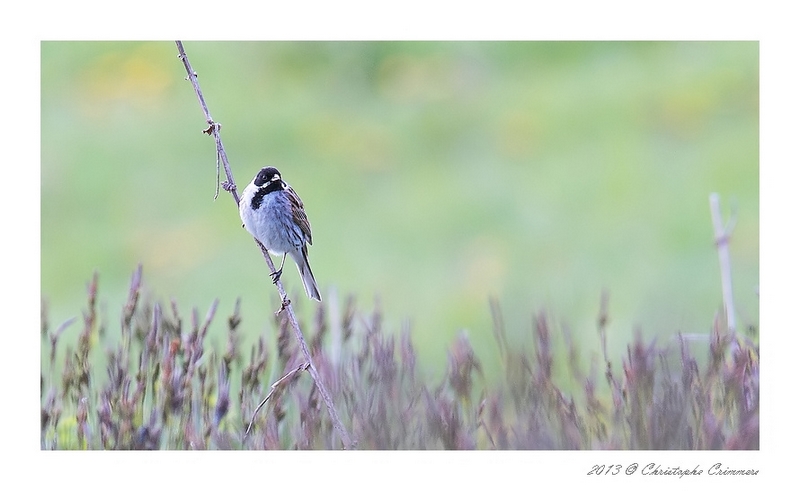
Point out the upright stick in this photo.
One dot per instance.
(721, 236)
(230, 186)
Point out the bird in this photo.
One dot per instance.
(274, 214)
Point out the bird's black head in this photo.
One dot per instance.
(267, 175)
(268, 180)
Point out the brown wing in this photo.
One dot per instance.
(298, 213)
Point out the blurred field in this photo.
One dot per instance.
(434, 176)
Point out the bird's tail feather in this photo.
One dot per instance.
(310, 284)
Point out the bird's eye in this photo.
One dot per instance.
(261, 178)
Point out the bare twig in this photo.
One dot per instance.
(213, 127)
(230, 186)
(290, 373)
(721, 236)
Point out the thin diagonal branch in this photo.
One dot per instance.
(230, 186)
(272, 388)
(213, 127)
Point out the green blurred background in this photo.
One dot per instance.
(435, 175)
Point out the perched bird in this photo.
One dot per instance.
(273, 213)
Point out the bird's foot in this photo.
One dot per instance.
(276, 276)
